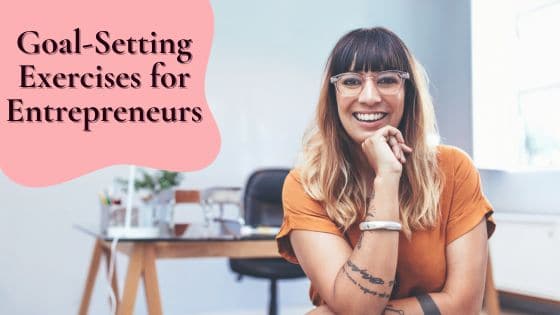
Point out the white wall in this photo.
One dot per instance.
(262, 84)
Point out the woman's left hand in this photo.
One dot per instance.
(399, 149)
(385, 151)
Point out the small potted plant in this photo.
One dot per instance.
(156, 191)
(157, 186)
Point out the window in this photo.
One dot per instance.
(516, 84)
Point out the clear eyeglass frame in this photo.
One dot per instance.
(390, 89)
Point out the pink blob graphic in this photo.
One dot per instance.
(68, 54)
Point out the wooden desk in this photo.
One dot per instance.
(142, 264)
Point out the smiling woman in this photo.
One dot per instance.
(386, 84)
(380, 218)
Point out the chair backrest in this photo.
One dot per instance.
(262, 200)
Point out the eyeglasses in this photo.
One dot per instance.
(387, 82)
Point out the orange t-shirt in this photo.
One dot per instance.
(421, 265)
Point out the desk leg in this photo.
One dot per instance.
(92, 273)
(114, 279)
(150, 281)
(135, 266)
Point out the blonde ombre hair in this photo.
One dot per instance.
(328, 166)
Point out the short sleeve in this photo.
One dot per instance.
(301, 212)
(468, 204)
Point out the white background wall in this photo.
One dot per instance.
(262, 85)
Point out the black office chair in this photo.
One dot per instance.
(262, 204)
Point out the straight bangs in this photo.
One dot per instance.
(369, 50)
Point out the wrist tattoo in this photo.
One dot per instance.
(428, 305)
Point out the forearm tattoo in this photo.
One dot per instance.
(389, 309)
(350, 266)
(364, 289)
(428, 305)
(363, 272)
(369, 215)
(359, 244)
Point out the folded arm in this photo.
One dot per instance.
(464, 286)
(360, 280)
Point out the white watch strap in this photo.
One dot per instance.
(380, 225)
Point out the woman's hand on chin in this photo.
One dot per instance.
(385, 151)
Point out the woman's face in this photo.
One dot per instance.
(369, 110)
